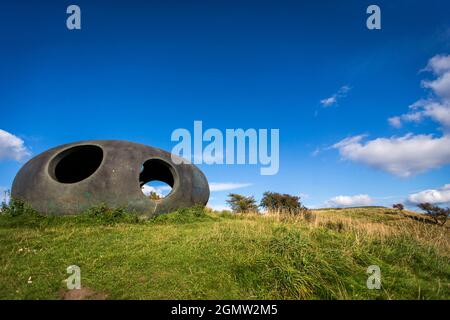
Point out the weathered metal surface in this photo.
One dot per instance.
(73, 177)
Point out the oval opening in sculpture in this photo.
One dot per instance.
(76, 164)
(157, 176)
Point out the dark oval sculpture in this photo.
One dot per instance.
(73, 177)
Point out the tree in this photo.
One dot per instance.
(439, 215)
(154, 196)
(242, 204)
(398, 206)
(273, 201)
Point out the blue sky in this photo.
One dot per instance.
(137, 70)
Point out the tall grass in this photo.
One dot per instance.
(196, 254)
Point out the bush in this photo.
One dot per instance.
(17, 207)
(154, 196)
(336, 226)
(242, 204)
(439, 215)
(398, 206)
(308, 215)
(106, 215)
(182, 216)
(273, 201)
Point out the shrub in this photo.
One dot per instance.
(439, 215)
(242, 204)
(17, 207)
(154, 196)
(336, 226)
(398, 206)
(273, 201)
(308, 215)
(106, 215)
(184, 215)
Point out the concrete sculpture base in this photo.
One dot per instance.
(73, 177)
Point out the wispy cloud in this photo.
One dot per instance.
(12, 147)
(221, 186)
(316, 152)
(224, 186)
(303, 196)
(341, 93)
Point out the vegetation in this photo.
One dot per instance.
(242, 204)
(398, 206)
(199, 254)
(273, 201)
(154, 196)
(439, 215)
(19, 214)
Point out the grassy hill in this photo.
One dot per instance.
(193, 254)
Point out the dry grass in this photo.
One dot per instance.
(192, 254)
(379, 223)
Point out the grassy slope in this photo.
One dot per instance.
(193, 255)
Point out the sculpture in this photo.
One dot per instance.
(70, 178)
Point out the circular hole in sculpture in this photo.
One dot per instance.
(156, 179)
(76, 164)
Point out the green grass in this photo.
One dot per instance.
(191, 254)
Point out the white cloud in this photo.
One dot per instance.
(160, 191)
(441, 195)
(328, 101)
(439, 64)
(218, 186)
(303, 196)
(440, 86)
(401, 156)
(438, 111)
(316, 152)
(12, 147)
(437, 107)
(350, 201)
(411, 154)
(342, 93)
(396, 122)
(219, 207)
